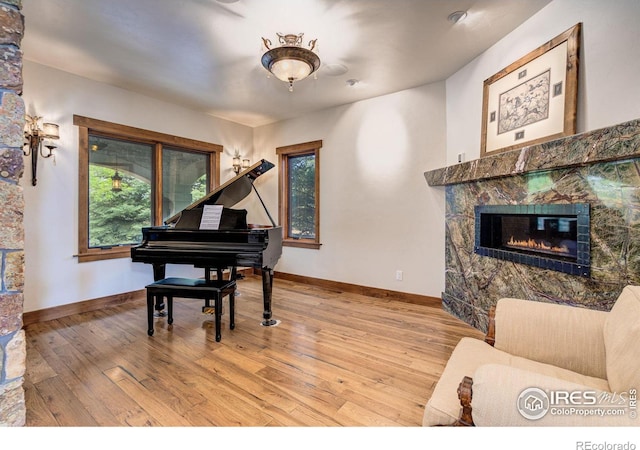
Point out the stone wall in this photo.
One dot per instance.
(12, 121)
(601, 168)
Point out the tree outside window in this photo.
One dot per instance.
(302, 196)
(117, 214)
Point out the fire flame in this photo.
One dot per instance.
(535, 245)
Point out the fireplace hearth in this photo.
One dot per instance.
(549, 236)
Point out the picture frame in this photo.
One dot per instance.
(534, 99)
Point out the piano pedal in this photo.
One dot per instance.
(211, 310)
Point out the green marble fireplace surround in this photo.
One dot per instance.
(600, 168)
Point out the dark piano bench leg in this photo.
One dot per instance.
(150, 298)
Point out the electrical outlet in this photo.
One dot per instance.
(399, 275)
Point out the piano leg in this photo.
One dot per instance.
(150, 313)
(159, 271)
(267, 285)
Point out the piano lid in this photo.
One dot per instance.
(231, 192)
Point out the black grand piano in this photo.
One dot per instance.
(233, 244)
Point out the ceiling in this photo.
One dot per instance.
(205, 54)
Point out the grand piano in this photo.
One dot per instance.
(234, 244)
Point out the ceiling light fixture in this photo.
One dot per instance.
(291, 61)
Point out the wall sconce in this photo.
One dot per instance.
(239, 163)
(34, 137)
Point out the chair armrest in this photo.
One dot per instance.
(497, 390)
(465, 394)
(561, 335)
(490, 337)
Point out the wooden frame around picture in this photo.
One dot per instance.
(534, 99)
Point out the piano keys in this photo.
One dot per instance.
(234, 244)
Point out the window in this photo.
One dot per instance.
(131, 178)
(118, 210)
(184, 179)
(299, 177)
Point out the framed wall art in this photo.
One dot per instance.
(533, 99)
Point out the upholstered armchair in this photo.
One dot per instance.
(545, 364)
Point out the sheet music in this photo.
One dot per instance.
(211, 215)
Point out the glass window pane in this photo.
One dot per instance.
(302, 196)
(184, 179)
(119, 191)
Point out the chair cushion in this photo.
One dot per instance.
(443, 408)
(558, 334)
(497, 389)
(621, 340)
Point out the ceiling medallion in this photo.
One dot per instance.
(291, 61)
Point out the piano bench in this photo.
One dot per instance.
(214, 290)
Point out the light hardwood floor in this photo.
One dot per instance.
(336, 359)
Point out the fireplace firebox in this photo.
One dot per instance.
(549, 236)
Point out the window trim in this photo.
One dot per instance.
(158, 140)
(306, 148)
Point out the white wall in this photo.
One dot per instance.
(608, 87)
(377, 214)
(53, 275)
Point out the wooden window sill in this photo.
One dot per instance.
(300, 243)
(98, 254)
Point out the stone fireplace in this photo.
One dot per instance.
(598, 171)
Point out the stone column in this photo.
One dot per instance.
(12, 121)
